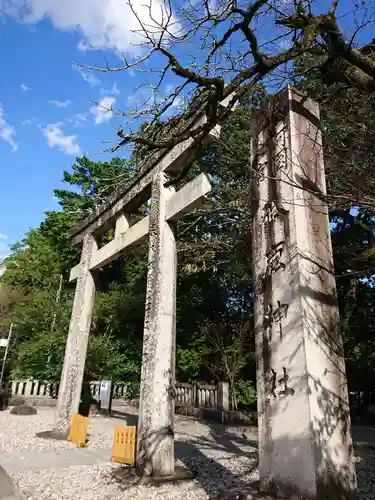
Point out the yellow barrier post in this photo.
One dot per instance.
(78, 430)
(124, 445)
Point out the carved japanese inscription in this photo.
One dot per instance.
(271, 384)
(275, 316)
(273, 264)
(270, 212)
(279, 314)
(286, 391)
(273, 257)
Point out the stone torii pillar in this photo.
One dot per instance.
(155, 437)
(76, 345)
(305, 444)
(155, 442)
(167, 207)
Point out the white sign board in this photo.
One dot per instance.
(106, 395)
(3, 342)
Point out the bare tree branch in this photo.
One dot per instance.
(228, 49)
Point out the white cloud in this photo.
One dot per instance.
(102, 112)
(285, 3)
(23, 86)
(285, 44)
(60, 104)
(103, 24)
(3, 236)
(77, 120)
(56, 138)
(7, 132)
(81, 116)
(30, 121)
(88, 76)
(114, 90)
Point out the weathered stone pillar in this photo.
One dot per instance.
(155, 442)
(28, 388)
(223, 396)
(76, 345)
(305, 444)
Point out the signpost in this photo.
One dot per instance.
(5, 343)
(106, 390)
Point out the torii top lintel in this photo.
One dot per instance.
(137, 189)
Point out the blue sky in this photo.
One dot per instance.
(47, 116)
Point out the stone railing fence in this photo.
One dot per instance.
(203, 401)
(34, 388)
(194, 395)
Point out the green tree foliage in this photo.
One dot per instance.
(33, 272)
(89, 183)
(210, 282)
(215, 338)
(348, 123)
(42, 357)
(33, 264)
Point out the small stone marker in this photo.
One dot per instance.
(78, 430)
(106, 391)
(24, 410)
(124, 445)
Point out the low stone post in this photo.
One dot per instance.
(28, 388)
(155, 442)
(76, 347)
(14, 386)
(194, 394)
(223, 396)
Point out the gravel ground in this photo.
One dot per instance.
(17, 433)
(221, 460)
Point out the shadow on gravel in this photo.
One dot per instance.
(215, 477)
(364, 448)
(212, 476)
(125, 477)
(129, 418)
(222, 481)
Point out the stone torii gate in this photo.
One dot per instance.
(155, 442)
(305, 445)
